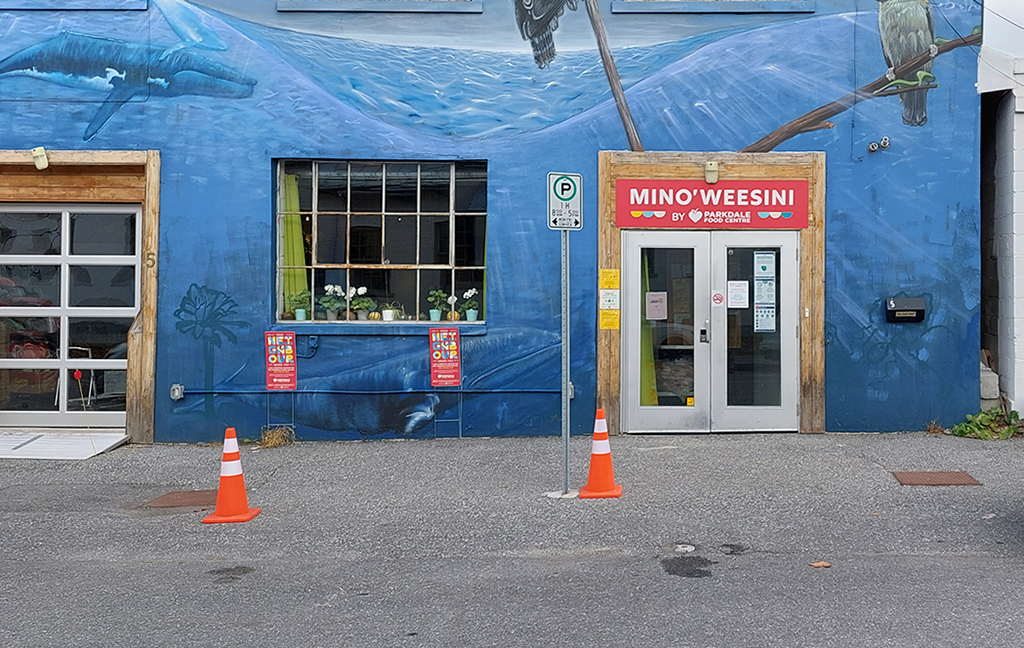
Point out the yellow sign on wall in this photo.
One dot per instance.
(608, 280)
(609, 320)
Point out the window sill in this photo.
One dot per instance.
(713, 6)
(321, 327)
(385, 6)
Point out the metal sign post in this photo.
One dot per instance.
(565, 212)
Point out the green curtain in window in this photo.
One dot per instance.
(648, 377)
(295, 279)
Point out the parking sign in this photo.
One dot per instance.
(565, 201)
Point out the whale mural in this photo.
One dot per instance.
(263, 85)
(124, 71)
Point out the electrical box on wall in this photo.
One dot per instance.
(904, 309)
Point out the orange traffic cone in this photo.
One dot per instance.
(601, 481)
(232, 505)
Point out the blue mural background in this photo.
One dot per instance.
(901, 221)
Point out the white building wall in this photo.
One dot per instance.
(1001, 68)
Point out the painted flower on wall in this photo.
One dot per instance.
(205, 314)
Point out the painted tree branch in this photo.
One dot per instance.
(816, 119)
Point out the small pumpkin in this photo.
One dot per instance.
(453, 315)
(374, 315)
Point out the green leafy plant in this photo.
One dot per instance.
(334, 299)
(990, 425)
(439, 299)
(358, 300)
(299, 300)
(393, 306)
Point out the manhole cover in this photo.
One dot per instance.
(184, 498)
(935, 478)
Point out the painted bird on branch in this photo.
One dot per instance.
(538, 19)
(906, 29)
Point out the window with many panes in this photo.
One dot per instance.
(381, 242)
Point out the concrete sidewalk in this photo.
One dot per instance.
(453, 543)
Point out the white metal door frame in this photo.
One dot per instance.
(64, 416)
(761, 418)
(710, 411)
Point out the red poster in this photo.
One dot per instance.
(280, 360)
(445, 365)
(727, 204)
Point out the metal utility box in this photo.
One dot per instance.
(904, 309)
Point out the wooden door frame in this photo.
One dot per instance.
(106, 177)
(615, 165)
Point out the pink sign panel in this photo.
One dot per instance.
(445, 360)
(727, 204)
(281, 373)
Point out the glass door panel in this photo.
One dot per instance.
(756, 348)
(664, 295)
(666, 327)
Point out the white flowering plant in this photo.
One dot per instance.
(468, 302)
(358, 299)
(333, 299)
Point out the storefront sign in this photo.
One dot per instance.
(445, 358)
(727, 204)
(281, 370)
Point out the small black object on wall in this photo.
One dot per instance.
(904, 309)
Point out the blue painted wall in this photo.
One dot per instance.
(255, 85)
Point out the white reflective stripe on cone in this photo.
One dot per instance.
(232, 468)
(230, 445)
(601, 447)
(600, 425)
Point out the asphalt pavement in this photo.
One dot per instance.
(454, 543)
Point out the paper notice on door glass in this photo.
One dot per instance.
(764, 265)
(738, 291)
(764, 319)
(764, 292)
(657, 305)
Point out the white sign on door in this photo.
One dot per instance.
(738, 294)
(764, 265)
(657, 305)
(764, 319)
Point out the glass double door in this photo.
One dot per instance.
(69, 290)
(710, 339)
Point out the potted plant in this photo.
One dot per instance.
(360, 303)
(392, 310)
(439, 299)
(332, 301)
(469, 306)
(299, 303)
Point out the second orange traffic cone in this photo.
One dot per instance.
(601, 480)
(232, 505)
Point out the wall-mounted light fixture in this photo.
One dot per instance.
(39, 157)
(711, 172)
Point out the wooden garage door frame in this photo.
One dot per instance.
(613, 165)
(106, 177)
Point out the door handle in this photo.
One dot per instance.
(704, 331)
